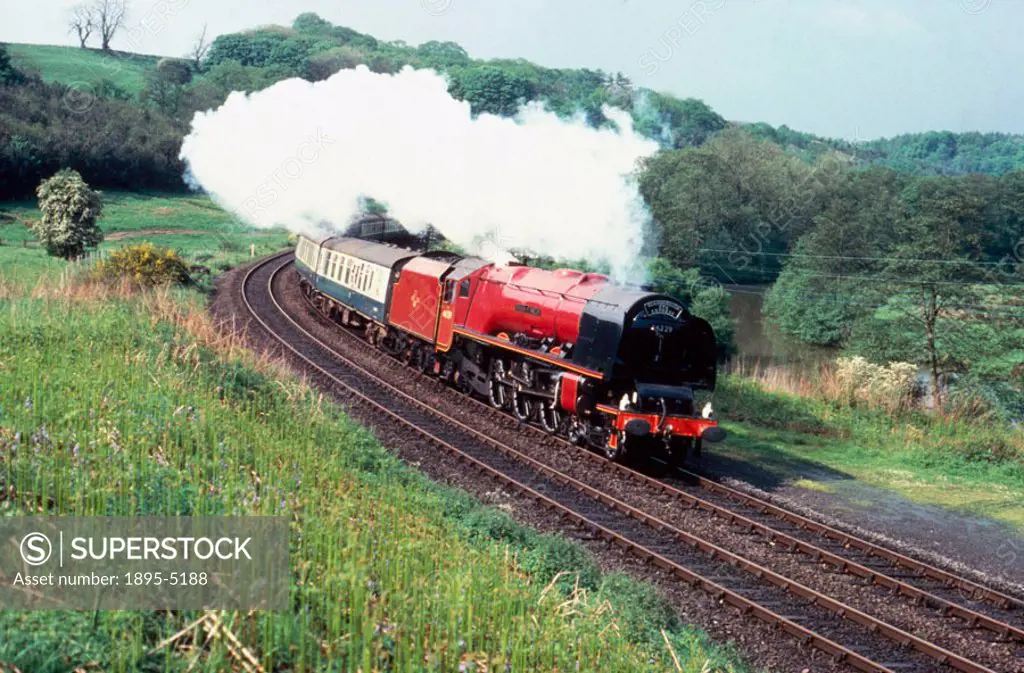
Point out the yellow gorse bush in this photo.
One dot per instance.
(144, 264)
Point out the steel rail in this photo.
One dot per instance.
(870, 623)
(923, 569)
(972, 618)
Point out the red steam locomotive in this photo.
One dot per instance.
(606, 366)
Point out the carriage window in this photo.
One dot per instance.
(464, 288)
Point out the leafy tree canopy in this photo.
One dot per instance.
(9, 75)
(490, 89)
(70, 210)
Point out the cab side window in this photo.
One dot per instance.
(464, 288)
(449, 291)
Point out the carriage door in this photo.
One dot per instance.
(446, 321)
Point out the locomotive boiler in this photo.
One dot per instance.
(606, 366)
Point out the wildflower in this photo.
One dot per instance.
(74, 451)
(28, 403)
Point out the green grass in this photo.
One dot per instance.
(973, 467)
(70, 65)
(194, 225)
(122, 407)
(133, 211)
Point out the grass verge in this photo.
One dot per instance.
(972, 466)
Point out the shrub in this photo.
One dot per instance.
(70, 210)
(144, 264)
(8, 73)
(229, 244)
(893, 386)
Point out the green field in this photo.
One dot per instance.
(193, 225)
(72, 65)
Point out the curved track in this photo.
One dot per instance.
(847, 633)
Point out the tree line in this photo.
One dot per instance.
(313, 48)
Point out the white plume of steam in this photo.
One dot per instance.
(298, 154)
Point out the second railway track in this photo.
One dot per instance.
(643, 515)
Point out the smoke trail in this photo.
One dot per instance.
(298, 153)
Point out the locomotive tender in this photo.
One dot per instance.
(607, 366)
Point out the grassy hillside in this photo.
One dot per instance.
(71, 65)
(390, 571)
(193, 225)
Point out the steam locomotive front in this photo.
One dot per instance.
(654, 354)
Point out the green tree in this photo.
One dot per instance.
(253, 48)
(311, 22)
(9, 75)
(322, 65)
(704, 298)
(730, 205)
(676, 123)
(491, 90)
(689, 196)
(934, 270)
(70, 210)
(1008, 241)
(818, 295)
(165, 84)
(440, 55)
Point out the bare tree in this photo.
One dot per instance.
(81, 23)
(109, 16)
(198, 51)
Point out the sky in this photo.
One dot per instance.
(839, 68)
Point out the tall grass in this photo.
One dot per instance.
(119, 403)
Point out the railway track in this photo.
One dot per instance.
(846, 633)
(999, 613)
